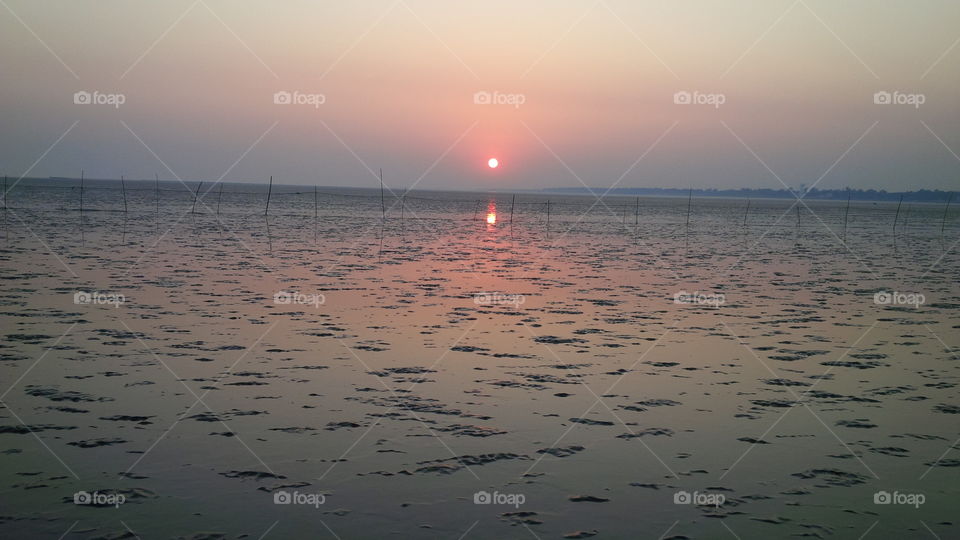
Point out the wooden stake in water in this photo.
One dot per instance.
(219, 198)
(269, 192)
(512, 203)
(745, 212)
(475, 210)
(943, 222)
(846, 213)
(548, 212)
(383, 205)
(689, 202)
(897, 216)
(636, 213)
(195, 195)
(156, 188)
(798, 214)
(123, 189)
(81, 191)
(314, 203)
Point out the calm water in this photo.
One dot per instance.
(612, 373)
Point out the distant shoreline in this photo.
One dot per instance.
(861, 195)
(923, 195)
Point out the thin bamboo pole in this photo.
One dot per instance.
(156, 187)
(846, 214)
(219, 198)
(383, 205)
(513, 202)
(269, 192)
(123, 189)
(943, 221)
(195, 195)
(897, 216)
(745, 213)
(689, 202)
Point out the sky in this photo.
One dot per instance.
(608, 93)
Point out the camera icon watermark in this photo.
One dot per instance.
(498, 299)
(98, 298)
(685, 97)
(98, 98)
(287, 298)
(299, 98)
(309, 499)
(699, 499)
(484, 97)
(510, 499)
(899, 98)
(86, 498)
(700, 299)
(894, 298)
(909, 499)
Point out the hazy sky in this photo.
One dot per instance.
(588, 89)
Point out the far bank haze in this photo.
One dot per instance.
(922, 195)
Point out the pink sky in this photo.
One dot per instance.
(596, 80)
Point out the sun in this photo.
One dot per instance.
(493, 163)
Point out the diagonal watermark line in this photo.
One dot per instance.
(666, 532)
(203, 204)
(42, 356)
(359, 237)
(48, 248)
(759, 39)
(595, 403)
(800, 400)
(729, 529)
(825, 25)
(937, 61)
(37, 437)
(442, 42)
(199, 399)
(242, 42)
(129, 529)
(952, 446)
(245, 152)
(178, 378)
(43, 155)
(559, 39)
(527, 527)
(638, 38)
(870, 528)
(266, 532)
(397, 402)
(42, 42)
(62, 536)
(158, 40)
(356, 42)
(602, 402)
(799, 199)
(954, 154)
(465, 533)
(599, 199)
(327, 527)
(927, 527)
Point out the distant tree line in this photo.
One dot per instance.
(923, 195)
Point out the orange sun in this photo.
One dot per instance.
(493, 163)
